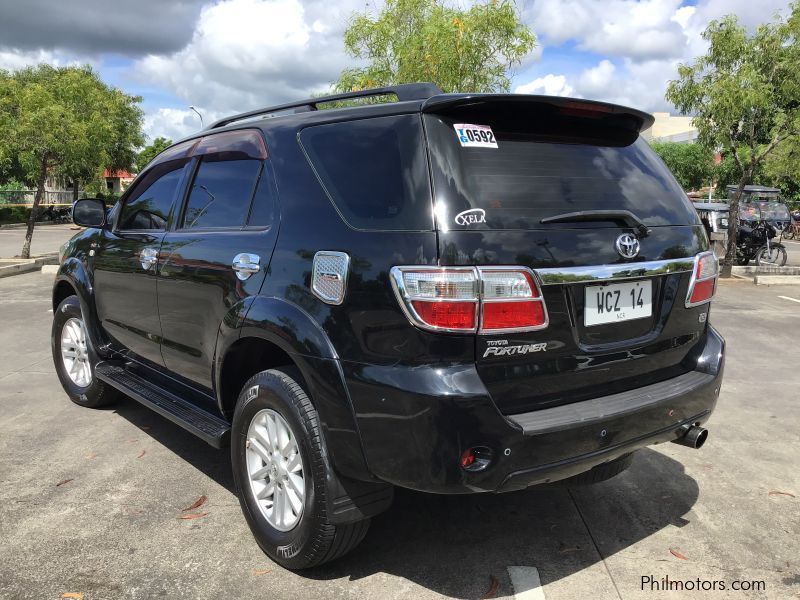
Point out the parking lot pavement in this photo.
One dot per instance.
(46, 239)
(91, 500)
(792, 253)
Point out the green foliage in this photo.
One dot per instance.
(11, 185)
(727, 173)
(149, 152)
(692, 164)
(425, 40)
(782, 169)
(743, 93)
(14, 214)
(65, 121)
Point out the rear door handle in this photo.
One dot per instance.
(246, 264)
(148, 257)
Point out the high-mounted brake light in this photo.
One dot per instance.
(704, 279)
(470, 299)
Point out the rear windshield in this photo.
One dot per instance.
(374, 170)
(510, 173)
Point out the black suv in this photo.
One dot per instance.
(454, 293)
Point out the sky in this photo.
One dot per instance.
(228, 56)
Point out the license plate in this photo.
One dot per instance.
(617, 302)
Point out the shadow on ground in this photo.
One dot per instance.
(445, 542)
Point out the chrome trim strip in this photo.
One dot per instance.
(596, 273)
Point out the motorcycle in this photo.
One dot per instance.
(755, 242)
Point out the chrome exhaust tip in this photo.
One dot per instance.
(693, 437)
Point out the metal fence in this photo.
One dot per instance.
(27, 196)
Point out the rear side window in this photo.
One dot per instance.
(374, 171)
(220, 194)
(543, 169)
(148, 205)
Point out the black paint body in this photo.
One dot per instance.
(398, 404)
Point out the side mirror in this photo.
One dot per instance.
(89, 212)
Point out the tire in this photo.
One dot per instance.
(312, 540)
(601, 472)
(89, 392)
(778, 251)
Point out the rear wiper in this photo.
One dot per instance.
(625, 216)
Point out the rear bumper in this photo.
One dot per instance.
(415, 422)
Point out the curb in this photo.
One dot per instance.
(18, 266)
(768, 275)
(777, 280)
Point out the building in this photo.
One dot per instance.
(669, 128)
(117, 181)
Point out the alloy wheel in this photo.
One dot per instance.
(75, 353)
(275, 469)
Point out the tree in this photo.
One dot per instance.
(148, 153)
(424, 40)
(744, 94)
(782, 169)
(692, 164)
(65, 122)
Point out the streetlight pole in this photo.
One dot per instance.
(197, 112)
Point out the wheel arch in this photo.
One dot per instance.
(73, 279)
(273, 333)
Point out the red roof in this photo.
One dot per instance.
(121, 174)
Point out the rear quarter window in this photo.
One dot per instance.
(374, 171)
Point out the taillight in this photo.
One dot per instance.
(446, 314)
(510, 301)
(441, 299)
(704, 279)
(470, 299)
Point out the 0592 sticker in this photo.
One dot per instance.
(475, 136)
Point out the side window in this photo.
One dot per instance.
(264, 209)
(149, 203)
(374, 170)
(221, 193)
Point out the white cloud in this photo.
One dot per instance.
(13, 59)
(639, 30)
(643, 41)
(250, 53)
(636, 84)
(595, 80)
(174, 123)
(550, 85)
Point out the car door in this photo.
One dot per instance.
(125, 260)
(218, 251)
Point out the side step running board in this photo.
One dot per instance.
(208, 427)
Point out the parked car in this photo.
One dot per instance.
(452, 293)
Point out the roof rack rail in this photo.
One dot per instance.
(406, 91)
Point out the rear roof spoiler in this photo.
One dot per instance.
(443, 102)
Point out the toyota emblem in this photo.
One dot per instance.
(627, 245)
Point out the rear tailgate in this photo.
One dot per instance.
(500, 166)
